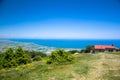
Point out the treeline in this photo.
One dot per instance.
(60, 56)
(86, 50)
(11, 58)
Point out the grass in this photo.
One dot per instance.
(112, 75)
(117, 53)
(112, 66)
(87, 67)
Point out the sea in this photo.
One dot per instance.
(71, 43)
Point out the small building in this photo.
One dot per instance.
(105, 48)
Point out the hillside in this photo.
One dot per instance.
(101, 66)
(4, 44)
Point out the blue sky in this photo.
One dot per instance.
(60, 19)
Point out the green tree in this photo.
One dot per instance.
(74, 51)
(7, 59)
(33, 54)
(37, 58)
(60, 56)
(12, 59)
(89, 48)
(21, 56)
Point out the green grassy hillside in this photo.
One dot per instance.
(101, 66)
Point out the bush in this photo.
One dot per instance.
(32, 54)
(60, 56)
(21, 56)
(37, 58)
(82, 51)
(74, 51)
(89, 48)
(12, 59)
(7, 59)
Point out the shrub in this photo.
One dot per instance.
(82, 51)
(32, 54)
(21, 56)
(60, 56)
(12, 59)
(89, 48)
(74, 51)
(37, 58)
(7, 59)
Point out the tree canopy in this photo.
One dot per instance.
(60, 56)
(12, 58)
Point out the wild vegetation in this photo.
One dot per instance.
(60, 56)
(87, 50)
(100, 66)
(11, 58)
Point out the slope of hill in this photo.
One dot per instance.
(100, 66)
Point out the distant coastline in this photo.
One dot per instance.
(48, 45)
(5, 44)
(71, 43)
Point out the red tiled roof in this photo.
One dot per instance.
(103, 47)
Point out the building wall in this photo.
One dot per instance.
(106, 50)
(99, 50)
(109, 50)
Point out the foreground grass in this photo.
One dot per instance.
(87, 67)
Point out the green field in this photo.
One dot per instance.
(100, 66)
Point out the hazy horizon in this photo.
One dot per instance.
(60, 19)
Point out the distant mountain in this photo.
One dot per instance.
(4, 44)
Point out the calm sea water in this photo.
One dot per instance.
(65, 43)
